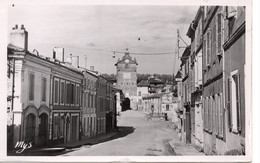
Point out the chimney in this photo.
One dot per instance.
(19, 37)
(35, 52)
(92, 68)
(58, 54)
(75, 61)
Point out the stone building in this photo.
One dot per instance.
(234, 80)
(45, 103)
(101, 105)
(186, 96)
(195, 34)
(142, 91)
(127, 77)
(89, 119)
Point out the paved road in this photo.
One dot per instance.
(137, 137)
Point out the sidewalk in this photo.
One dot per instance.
(89, 141)
(182, 149)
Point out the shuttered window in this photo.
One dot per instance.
(217, 98)
(31, 87)
(236, 121)
(44, 89)
(210, 119)
(56, 91)
(62, 92)
(219, 31)
(221, 116)
(208, 47)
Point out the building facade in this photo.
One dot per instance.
(195, 34)
(142, 91)
(186, 96)
(46, 99)
(89, 103)
(101, 105)
(234, 80)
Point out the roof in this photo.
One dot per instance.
(178, 75)
(191, 31)
(14, 50)
(127, 56)
(155, 81)
(143, 83)
(185, 54)
(157, 95)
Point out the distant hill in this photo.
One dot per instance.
(168, 79)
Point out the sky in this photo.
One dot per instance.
(95, 31)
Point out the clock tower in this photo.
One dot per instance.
(127, 77)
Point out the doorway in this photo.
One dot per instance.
(30, 128)
(43, 129)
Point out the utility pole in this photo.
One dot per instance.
(178, 43)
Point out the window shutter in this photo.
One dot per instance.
(206, 113)
(229, 106)
(217, 113)
(204, 52)
(221, 113)
(239, 123)
(219, 31)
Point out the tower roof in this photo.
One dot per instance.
(127, 57)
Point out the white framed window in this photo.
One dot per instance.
(56, 91)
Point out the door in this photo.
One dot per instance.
(74, 128)
(67, 127)
(30, 128)
(188, 127)
(214, 120)
(43, 129)
(90, 127)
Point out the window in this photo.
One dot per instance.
(88, 99)
(61, 126)
(221, 117)
(219, 32)
(56, 126)
(73, 94)
(62, 92)
(68, 93)
(84, 125)
(94, 101)
(139, 93)
(167, 107)
(31, 87)
(206, 113)
(78, 95)
(208, 55)
(44, 89)
(56, 91)
(210, 114)
(235, 102)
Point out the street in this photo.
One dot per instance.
(136, 137)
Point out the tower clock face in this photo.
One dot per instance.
(127, 61)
